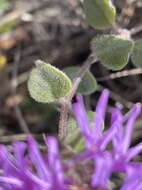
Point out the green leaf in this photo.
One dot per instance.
(137, 54)
(112, 51)
(74, 137)
(99, 13)
(47, 83)
(88, 84)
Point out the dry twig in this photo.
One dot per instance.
(17, 110)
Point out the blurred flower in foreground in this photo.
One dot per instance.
(24, 167)
(118, 158)
(31, 170)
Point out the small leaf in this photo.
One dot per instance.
(112, 51)
(74, 137)
(47, 83)
(137, 54)
(99, 13)
(88, 84)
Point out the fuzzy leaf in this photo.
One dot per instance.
(74, 137)
(137, 54)
(47, 83)
(112, 51)
(88, 84)
(99, 13)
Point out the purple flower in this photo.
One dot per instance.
(133, 179)
(24, 166)
(116, 159)
(94, 137)
(21, 171)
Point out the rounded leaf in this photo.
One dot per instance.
(88, 84)
(47, 83)
(74, 137)
(137, 54)
(99, 13)
(112, 51)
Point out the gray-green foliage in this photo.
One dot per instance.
(74, 137)
(99, 13)
(88, 84)
(47, 83)
(112, 51)
(137, 54)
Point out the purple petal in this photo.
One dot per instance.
(39, 182)
(37, 159)
(132, 152)
(133, 179)
(103, 170)
(129, 128)
(87, 154)
(19, 150)
(107, 137)
(11, 180)
(100, 114)
(82, 120)
(54, 162)
(117, 120)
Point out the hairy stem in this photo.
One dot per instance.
(85, 67)
(66, 102)
(63, 119)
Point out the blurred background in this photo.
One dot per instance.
(55, 31)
